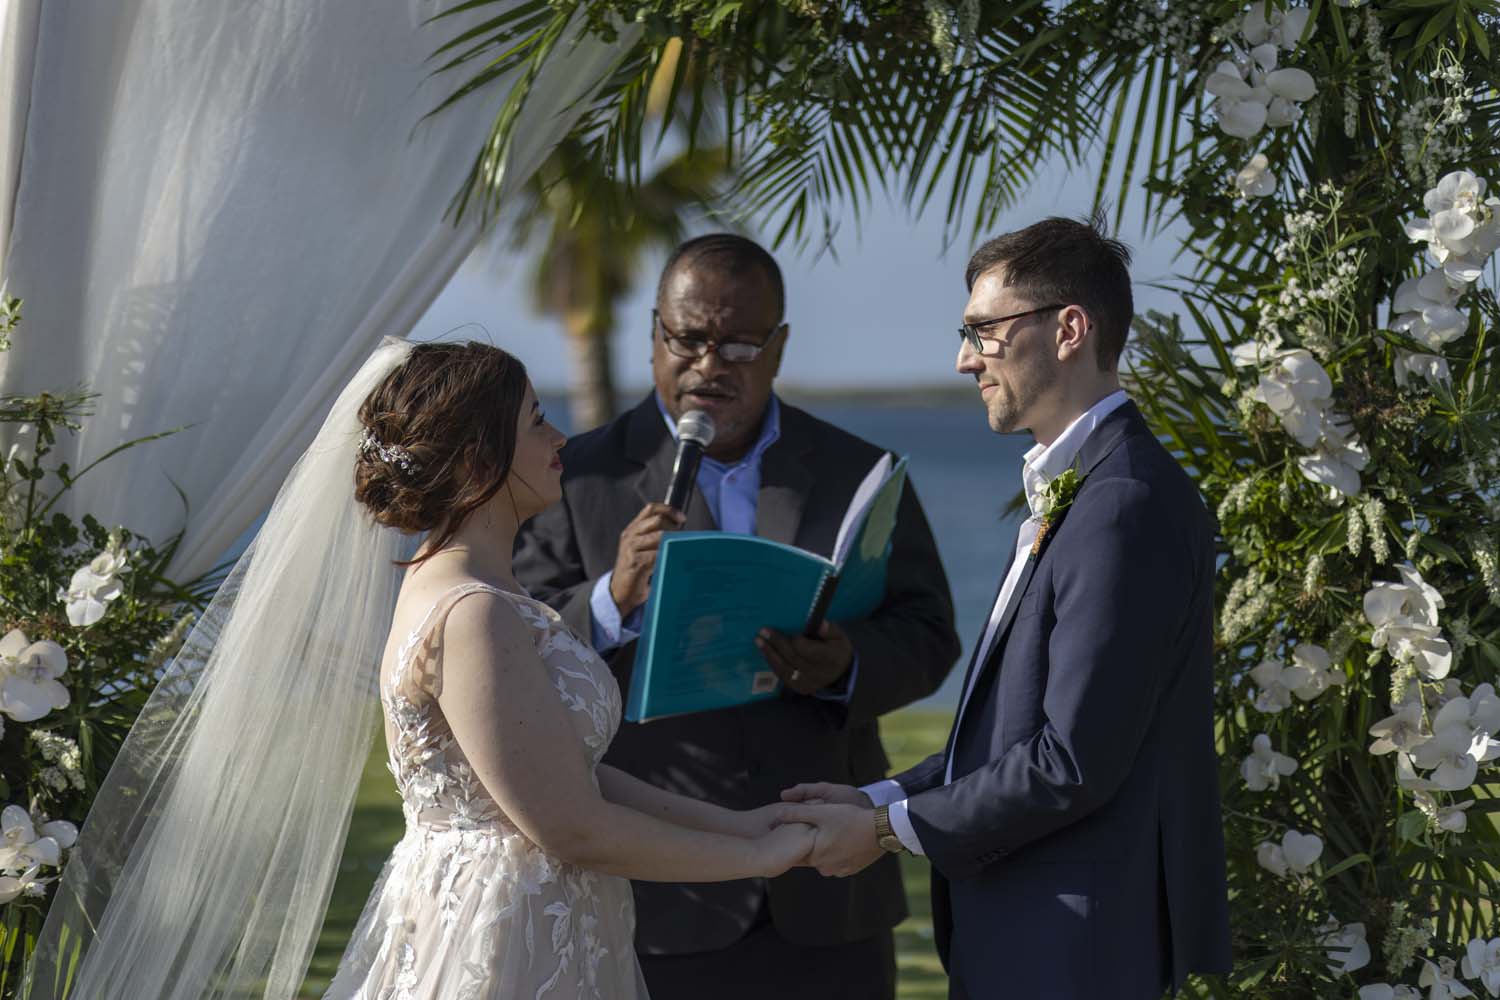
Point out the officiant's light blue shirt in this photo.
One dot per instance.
(732, 492)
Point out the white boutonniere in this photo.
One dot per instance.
(1057, 496)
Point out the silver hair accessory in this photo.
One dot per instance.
(369, 444)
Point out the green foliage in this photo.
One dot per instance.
(1314, 266)
(823, 103)
(52, 766)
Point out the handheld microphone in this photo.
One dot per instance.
(695, 432)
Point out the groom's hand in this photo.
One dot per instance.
(845, 843)
(807, 665)
(817, 792)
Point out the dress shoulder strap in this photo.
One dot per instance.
(429, 681)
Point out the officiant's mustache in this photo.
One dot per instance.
(707, 388)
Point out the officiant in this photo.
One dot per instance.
(718, 333)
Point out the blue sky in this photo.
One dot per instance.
(890, 284)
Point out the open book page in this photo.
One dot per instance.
(860, 502)
(861, 571)
(711, 593)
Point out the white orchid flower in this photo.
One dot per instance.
(1407, 777)
(1410, 603)
(1247, 99)
(1433, 368)
(1478, 711)
(1312, 672)
(1384, 991)
(1273, 686)
(1282, 112)
(89, 591)
(1482, 962)
(1282, 28)
(1429, 652)
(1336, 464)
(1292, 84)
(1254, 353)
(24, 884)
(1440, 980)
(1427, 309)
(1242, 119)
(1298, 390)
(25, 844)
(1348, 951)
(1272, 858)
(1447, 754)
(1458, 194)
(1265, 768)
(1301, 850)
(1256, 179)
(1229, 80)
(1463, 226)
(1484, 708)
(1401, 731)
(1452, 819)
(1296, 853)
(29, 672)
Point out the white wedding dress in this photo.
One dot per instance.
(467, 908)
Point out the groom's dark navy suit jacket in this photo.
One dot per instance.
(1078, 851)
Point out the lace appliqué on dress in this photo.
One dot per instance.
(467, 907)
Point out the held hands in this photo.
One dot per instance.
(785, 847)
(636, 556)
(806, 665)
(845, 842)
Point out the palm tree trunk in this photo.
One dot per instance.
(592, 400)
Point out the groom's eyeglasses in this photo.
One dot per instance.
(987, 344)
(691, 345)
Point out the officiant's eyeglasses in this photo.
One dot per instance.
(690, 345)
(988, 345)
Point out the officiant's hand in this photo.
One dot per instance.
(807, 665)
(845, 843)
(635, 557)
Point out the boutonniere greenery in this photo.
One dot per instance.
(1057, 496)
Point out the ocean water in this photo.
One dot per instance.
(963, 473)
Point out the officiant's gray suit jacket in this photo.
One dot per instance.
(1078, 852)
(743, 757)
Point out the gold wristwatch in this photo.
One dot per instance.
(884, 835)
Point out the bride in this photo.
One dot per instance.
(206, 863)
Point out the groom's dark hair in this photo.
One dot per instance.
(1070, 262)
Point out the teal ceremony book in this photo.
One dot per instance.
(711, 593)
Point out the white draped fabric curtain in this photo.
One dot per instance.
(216, 210)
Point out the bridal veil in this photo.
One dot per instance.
(205, 865)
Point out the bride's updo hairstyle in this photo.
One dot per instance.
(439, 437)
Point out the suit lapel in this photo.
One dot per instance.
(649, 443)
(785, 480)
(974, 660)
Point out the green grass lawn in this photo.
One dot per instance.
(377, 825)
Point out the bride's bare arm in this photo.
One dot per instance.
(628, 790)
(500, 700)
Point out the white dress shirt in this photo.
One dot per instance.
(1039, 466)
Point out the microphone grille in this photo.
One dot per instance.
(695, 425)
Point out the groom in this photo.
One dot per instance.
(1073, 820)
